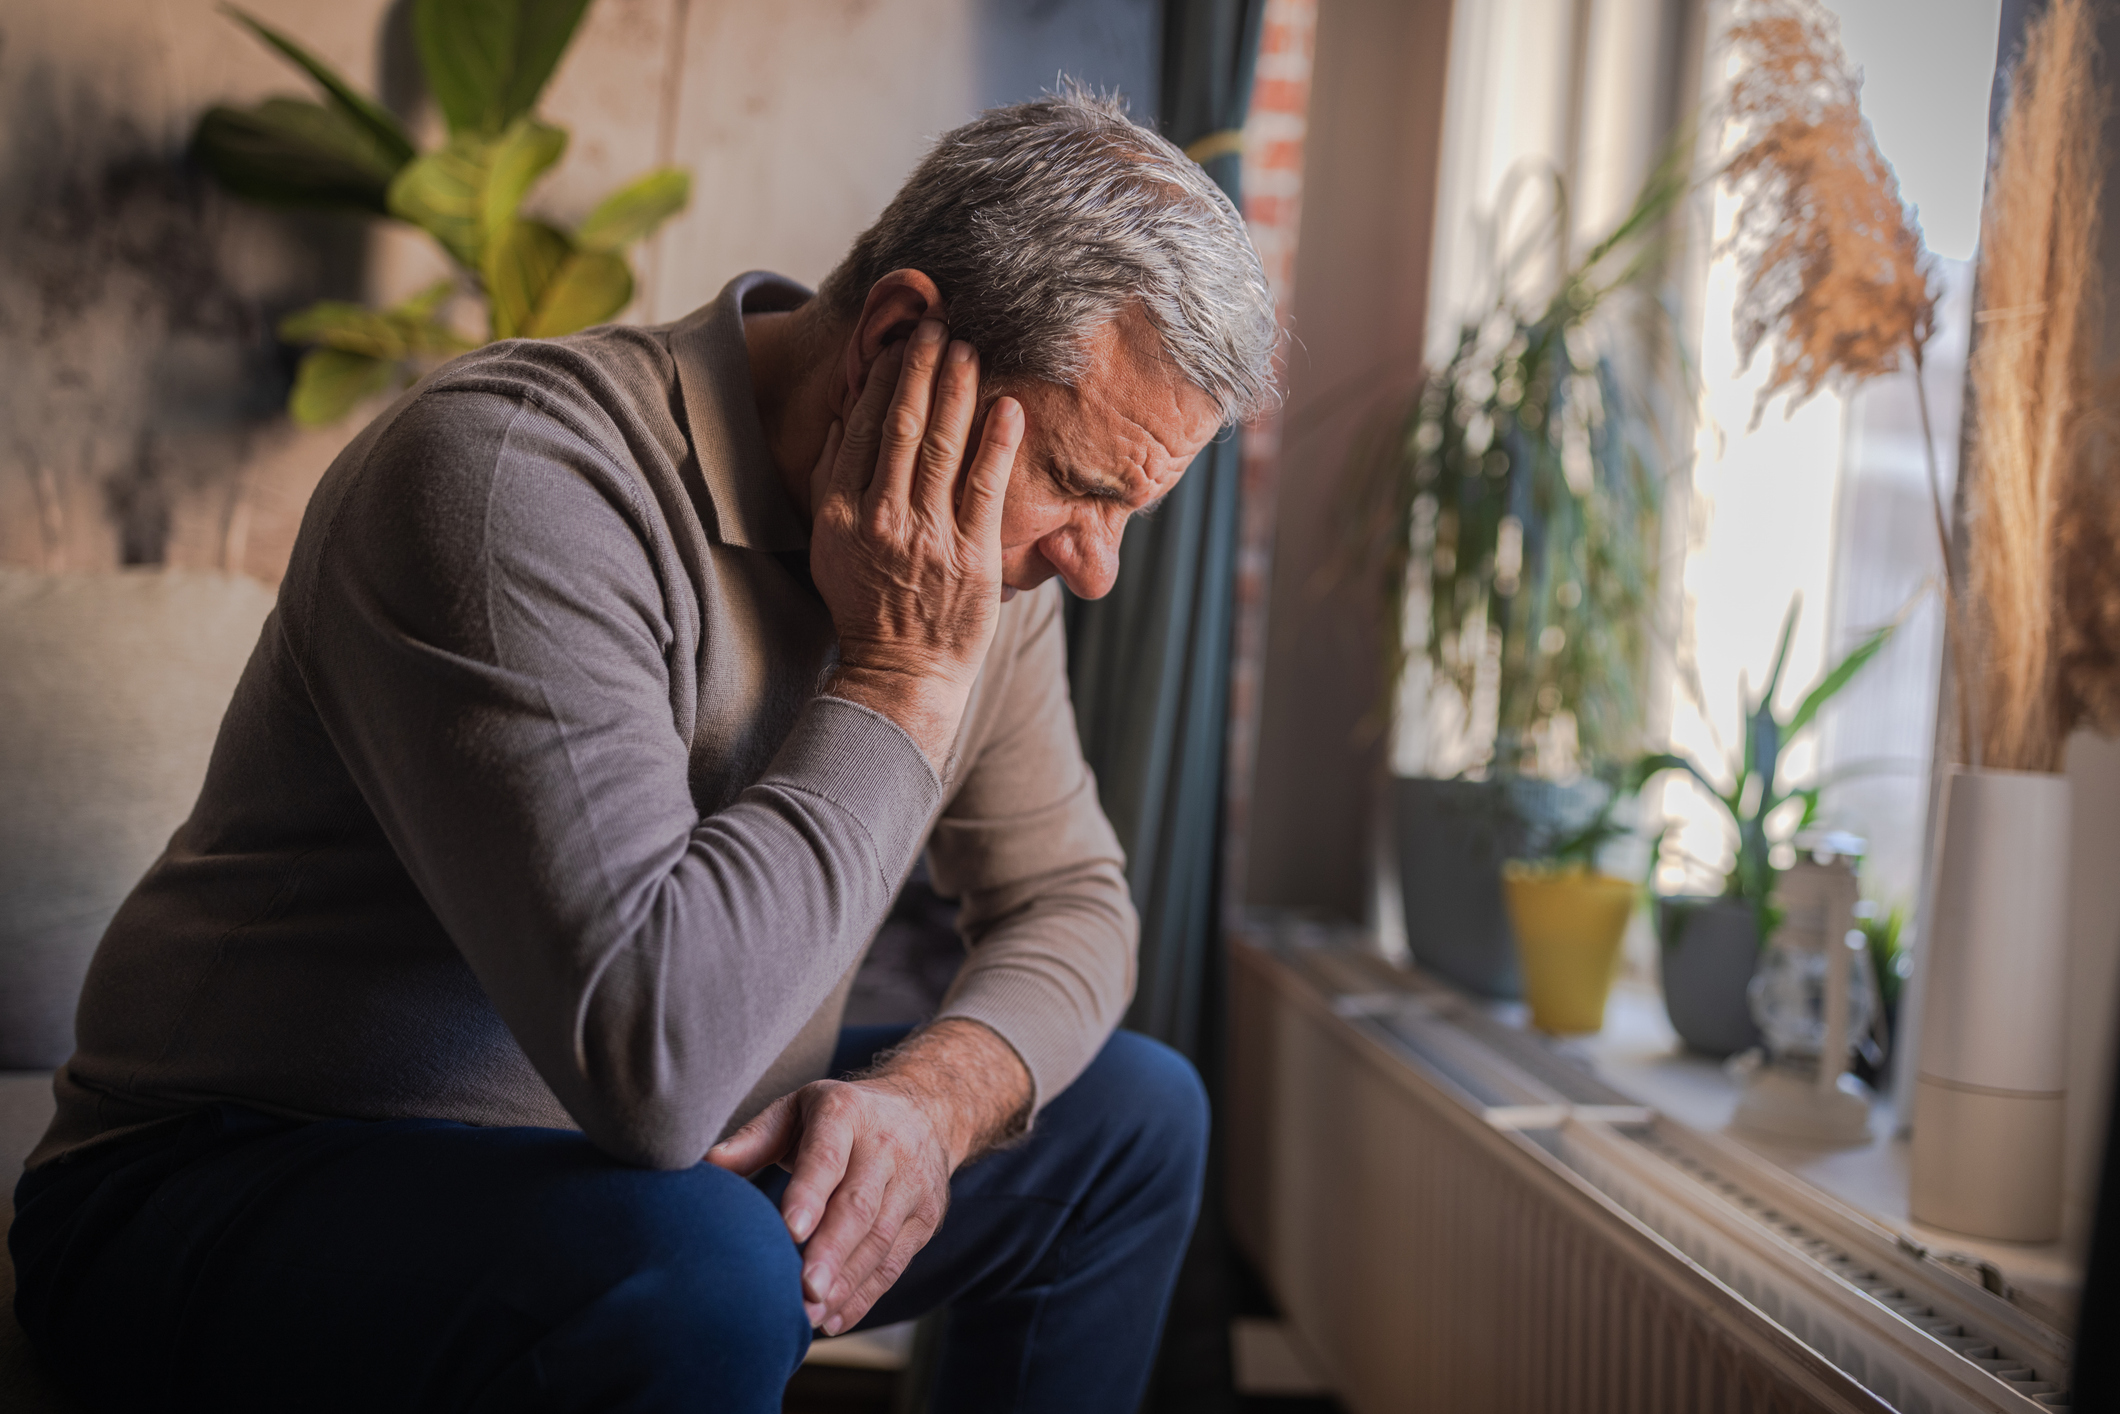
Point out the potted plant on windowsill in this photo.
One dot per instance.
(1568, 918)
(1511, 528)
(1710, 946)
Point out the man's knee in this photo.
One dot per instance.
(1154, 1098)
(708, 1287)
(723, 1244)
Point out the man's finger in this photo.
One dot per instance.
(856, 1206)
(877, 1261)
(847, 1313)
(864, 429)
(942, 449)
(760, 1142)
(820, 1163)
(870, 1251)
(986, 483)
(906, 422)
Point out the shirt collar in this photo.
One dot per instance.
(751, 506)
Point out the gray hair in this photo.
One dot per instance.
(1043, 221)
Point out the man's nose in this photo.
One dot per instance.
(1088, 560)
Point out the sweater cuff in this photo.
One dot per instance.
(1022, 1010)
(864, 763)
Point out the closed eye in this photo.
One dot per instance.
(1084, 488)
(1081, 487)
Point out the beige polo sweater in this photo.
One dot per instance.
(527, 811)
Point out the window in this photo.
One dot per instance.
(1832, 502)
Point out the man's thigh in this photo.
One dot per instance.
(408, 1265)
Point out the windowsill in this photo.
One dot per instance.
(1638, 1053)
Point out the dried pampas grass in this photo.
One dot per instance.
(1834, 278)
(1831, 270)
(2041, 610)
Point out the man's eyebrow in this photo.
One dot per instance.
(1090, 484)
(1099, 487)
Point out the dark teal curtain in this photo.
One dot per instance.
(1150, 661)
(1150, 667)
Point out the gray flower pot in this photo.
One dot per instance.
(1452, 838)
(1710, 950)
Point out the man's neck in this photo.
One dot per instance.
(792, 362)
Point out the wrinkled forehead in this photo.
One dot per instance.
(1130, 405)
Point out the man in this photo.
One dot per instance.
(615, 684)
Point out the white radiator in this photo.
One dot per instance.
(1455, 1219)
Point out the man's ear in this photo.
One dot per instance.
(896, 304)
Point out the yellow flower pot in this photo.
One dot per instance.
(1568, 930)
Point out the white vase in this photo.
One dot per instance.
(1993, 1060)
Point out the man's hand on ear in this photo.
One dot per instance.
(872, 1158)
(905, 537)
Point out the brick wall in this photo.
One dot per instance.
(1273, 196)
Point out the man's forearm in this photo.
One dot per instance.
(970, 1079)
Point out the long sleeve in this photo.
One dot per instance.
(487, 635)
(1026, 848)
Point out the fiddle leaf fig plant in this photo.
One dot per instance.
(1757, 791)
(486, 63)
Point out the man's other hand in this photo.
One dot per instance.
(905, 539)
(872, 1158)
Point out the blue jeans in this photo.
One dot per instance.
(235, 1261)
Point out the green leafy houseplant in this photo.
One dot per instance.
(486, 62)
(1883, 927)
(1509, 525)
(1517, 510)
(1711, 947)
(1757, 795)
